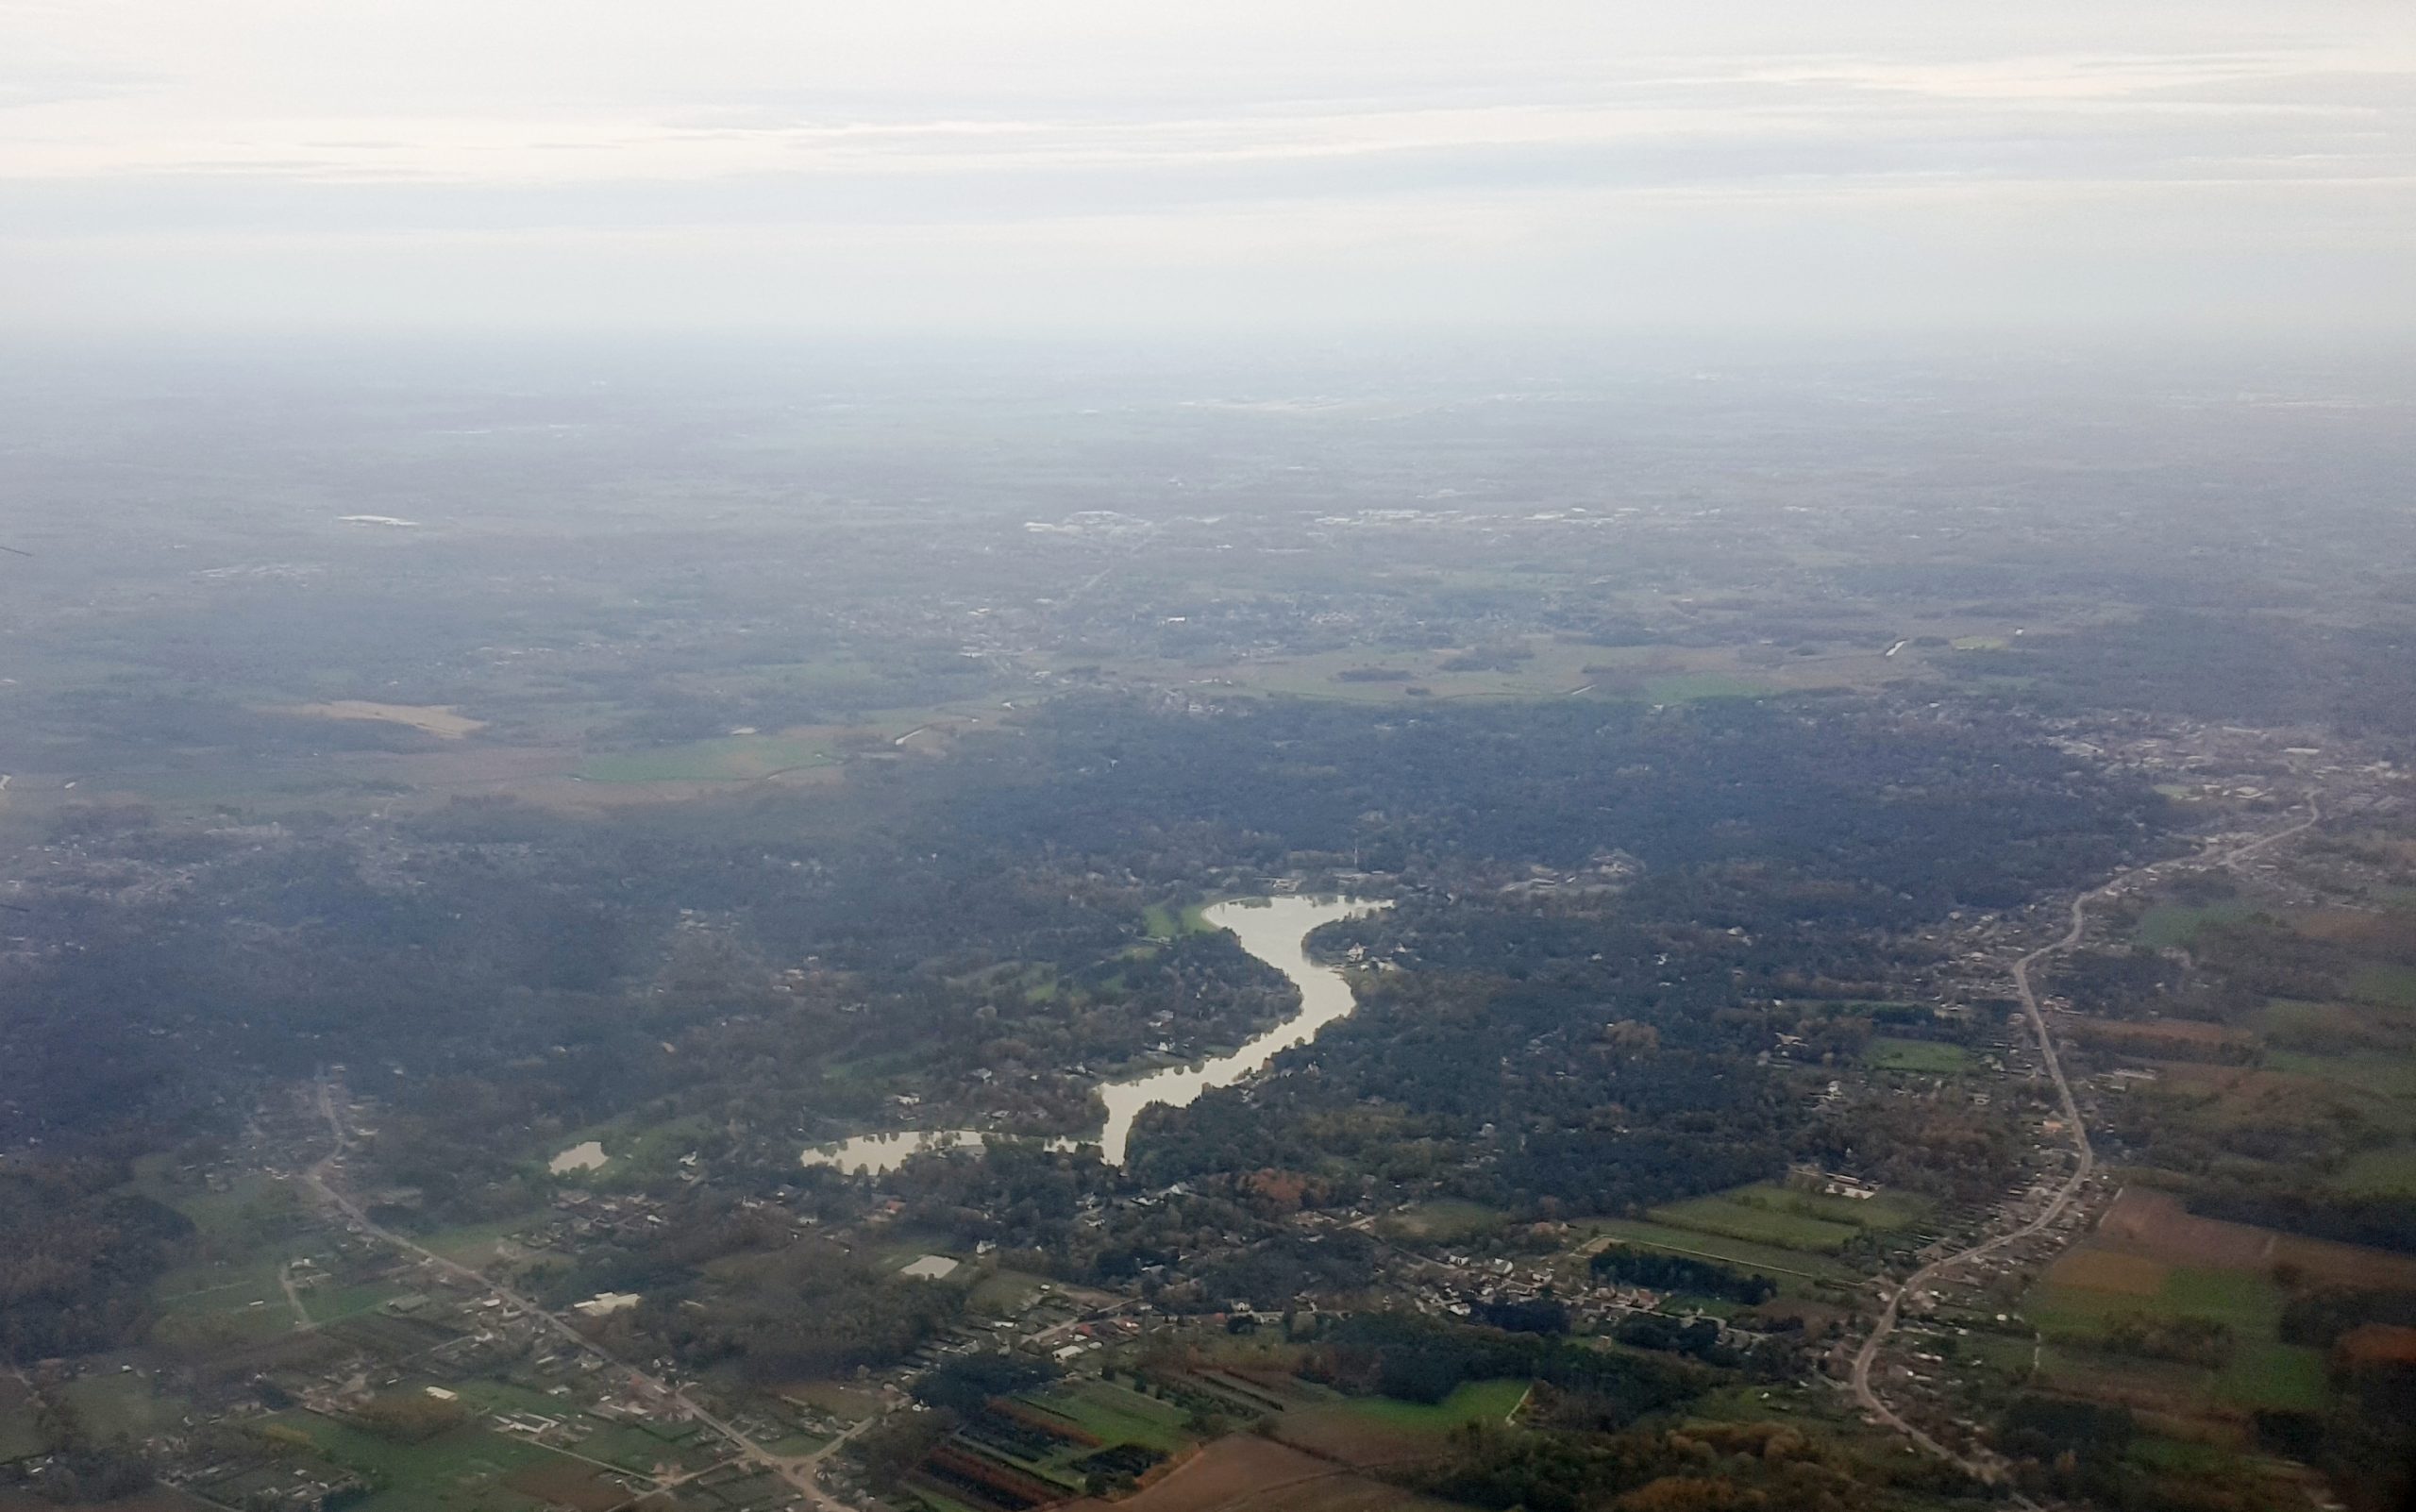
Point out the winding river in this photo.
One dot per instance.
(1275, 929)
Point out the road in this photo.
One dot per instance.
(2086, 1156)
(293, 1296)
(798, 1470)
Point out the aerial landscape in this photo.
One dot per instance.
(617, 914)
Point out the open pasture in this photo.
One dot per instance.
(2387, 983)
(2155, 1224)
(2105, 1270)
(1369, 1431)
(440, 720)
(2089, 1292)
(1785, 1219)
(1727, 1218)
(464, 1468)
(2171, 924)
(126, 1404)
(1770, 1260)
(1924, 1057)
(2386, 1171)
(730, 758)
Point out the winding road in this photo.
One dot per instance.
(2083, 1166)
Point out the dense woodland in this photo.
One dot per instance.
(502, 975)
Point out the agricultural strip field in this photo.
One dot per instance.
(1042, 1447)
(1777, 1262)
(1115, 1414)
(1244, 1473)
(2162, 1310)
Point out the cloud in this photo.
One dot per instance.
(979, 162)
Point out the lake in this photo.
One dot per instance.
(1275, 929)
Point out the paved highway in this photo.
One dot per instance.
(2085, 1163)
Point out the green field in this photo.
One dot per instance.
(126, 1404)
(2275, 1375)
(2393, 986)
(1770, 1260)
(18, 1438)
(328, 1304)
(2381, 1074)
(1689, 687)
(455, 1471)
(2251, 1304)
(2177, 1454)
(1781, 1227)
(2261, 1371)
(2169, 924)
(246, 1235)
(1485, 1401)
(1923, 1056)
(847, 1403)
(2389, 1171)
(1003, 1293)
(728, 759)
(1162, 922)
(474, 1244)
(509, 1396)
(1771, 1228)
(1886, 1213)
(634, 1449)
(228, 1303)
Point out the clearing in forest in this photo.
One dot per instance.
(1926, 1057)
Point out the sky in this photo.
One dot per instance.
(1140, 167)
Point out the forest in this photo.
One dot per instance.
(977, 926)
